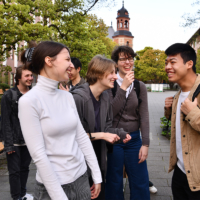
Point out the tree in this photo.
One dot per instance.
(192, 19)
(198, 61)
(150, 65)
(64, 21)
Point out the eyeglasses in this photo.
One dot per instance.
(123, 60)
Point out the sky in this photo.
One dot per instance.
(154, 23)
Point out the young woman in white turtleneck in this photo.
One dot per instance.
(52, 130)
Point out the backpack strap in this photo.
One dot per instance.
(14, 101)
(137, 90)
(14, 97)
(197, 91)
(114, 89)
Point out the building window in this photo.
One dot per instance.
(121, 25)
(118, 23)
(127, 43)
(126, 24)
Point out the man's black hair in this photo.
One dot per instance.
(76, 62)
(186, 52)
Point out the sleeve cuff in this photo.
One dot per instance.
(8, 149)
(145, 142)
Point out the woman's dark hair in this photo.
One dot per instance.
(186, 52)
(127, 51)
(44, 49)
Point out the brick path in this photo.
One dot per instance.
(157, 161)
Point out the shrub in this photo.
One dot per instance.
(4, 86)
(166, 126)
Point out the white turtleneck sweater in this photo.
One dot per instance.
(55, 137)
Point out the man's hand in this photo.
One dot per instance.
(61, 87)
(112, 138)
(143, 154)
(95, 190)
(168, 102)
(188, 105)
(128, 79)
(10, 152)
(127, 139)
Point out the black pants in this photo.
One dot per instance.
(180, 187)
(18, 168)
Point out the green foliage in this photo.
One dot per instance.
(4, 70)
(150, 65)
(4, 86)
(164, 124)
(64, 21)
(198, 61)
(141, 52)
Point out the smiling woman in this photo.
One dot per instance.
(52, 130)
(95, 111)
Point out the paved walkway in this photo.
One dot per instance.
(157, 161)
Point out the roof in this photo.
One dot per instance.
(197, 33)
(122, 12)
(123, 32)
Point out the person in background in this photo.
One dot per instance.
(74, 75)
(95, 111)
(52, 130)
(130, 113)
(185, 122)
(17, 154)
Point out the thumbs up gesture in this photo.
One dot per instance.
(188, 105)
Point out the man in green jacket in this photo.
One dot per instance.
(185, 122)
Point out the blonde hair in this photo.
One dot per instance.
(98, 67)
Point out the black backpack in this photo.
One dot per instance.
(137, 90)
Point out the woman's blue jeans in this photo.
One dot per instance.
(127, 154)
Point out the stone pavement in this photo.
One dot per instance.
(157, 162)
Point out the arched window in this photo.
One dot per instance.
(118, 23)
(126, 24)
(127, 43)
(121, 25)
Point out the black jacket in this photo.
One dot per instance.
(10, 126)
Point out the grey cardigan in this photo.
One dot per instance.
(130, 120)
(86, 113)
